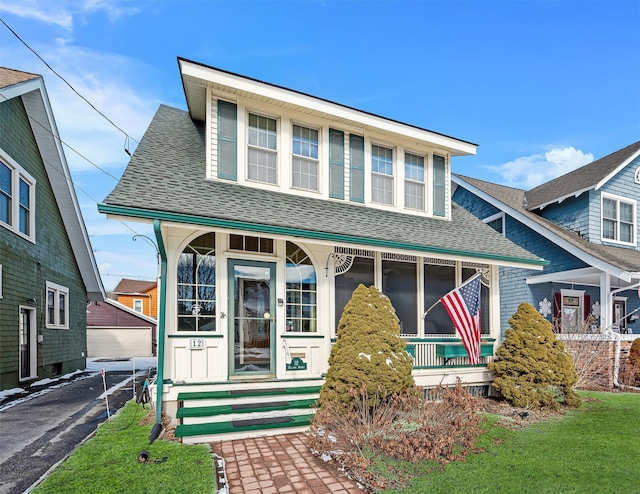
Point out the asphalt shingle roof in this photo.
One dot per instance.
(9, 77)
(127, 285)
(620, 257)
(583, 178)
(167, 174)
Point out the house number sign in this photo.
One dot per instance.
(197, 343)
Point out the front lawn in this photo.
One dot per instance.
(595, 449)
(108, 462)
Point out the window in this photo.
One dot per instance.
(438, 281)
(251, 244)
(360, 270)
(399, 283)
(618, 219)
(57, 306)
(305, 158)
(137, 305)
(439, 185)
(496, 222)
(301, 291)
(263, 146)
(381, 175)
(16, 198)
(197, 285)
(414, 181)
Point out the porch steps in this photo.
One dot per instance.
(206, 416)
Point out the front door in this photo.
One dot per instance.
(252, 318)
(25, 343)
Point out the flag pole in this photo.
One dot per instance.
(429, 309)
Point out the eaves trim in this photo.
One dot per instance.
(315, 235)
(617, 169)
(546, 233)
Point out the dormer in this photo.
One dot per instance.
(270, 137)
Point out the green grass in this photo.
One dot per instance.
(108, 463)
(595, 449)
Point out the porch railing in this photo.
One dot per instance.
(438, 351)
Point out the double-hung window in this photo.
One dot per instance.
(57, 306)
(414, 181)
(305, 158)
(381, 174)
(263, 149)
(17, 195)
(618, 219)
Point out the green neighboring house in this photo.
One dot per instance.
(47, 269)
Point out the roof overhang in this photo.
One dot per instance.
(198, 78)
(583, 276)
(327, 238)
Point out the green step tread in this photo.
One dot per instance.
(248, 408)
(247, 425)
(211, 395)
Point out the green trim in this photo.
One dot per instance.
(292, 380)
(161, 317)
(443, 367)
(300, 233)
(228, 393)
(243, 408)
(303, 335)
(456, 350)
(441, 340)
(224, 427)
(200, 335)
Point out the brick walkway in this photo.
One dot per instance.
(275, 464)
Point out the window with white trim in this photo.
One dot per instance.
(17, 198)
(137, 305)
(304, 158)
(263, 149)
(496, 222)
(618, 219)
(414, 181)
(57, 306)
(381, 174)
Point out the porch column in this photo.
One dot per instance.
(605, 301)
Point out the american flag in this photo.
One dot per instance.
(463, 306)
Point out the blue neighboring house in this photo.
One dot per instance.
(586, 224)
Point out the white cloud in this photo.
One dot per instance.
(61, 13)
(529, 171)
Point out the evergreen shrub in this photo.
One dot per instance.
(532, 368)
(368, 355)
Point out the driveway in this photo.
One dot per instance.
(40, 427)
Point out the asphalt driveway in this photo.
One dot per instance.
(40, 427)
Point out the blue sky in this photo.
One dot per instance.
(542, 86)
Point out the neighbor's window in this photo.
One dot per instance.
(381, 174)
(305, 158)
(137, 305)
(57, 306)
(618, 219)
(263, 147)
(197, 285)
(572, 312)
(301, 291)
(414, 181)
(496, 222)
(16, 198)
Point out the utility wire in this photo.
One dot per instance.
(127, 136)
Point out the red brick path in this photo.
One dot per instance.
(279, 464)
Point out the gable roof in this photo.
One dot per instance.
(101, 314)
(128, 286)
(618, 261)
(165, 180)
(31, 89)
(591, 176)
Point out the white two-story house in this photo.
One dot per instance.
(270, 206)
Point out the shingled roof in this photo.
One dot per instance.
(582, 179)
(129, 286)
(624, 259)
(10, 77)
(165, 180)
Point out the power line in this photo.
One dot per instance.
(127, 136)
